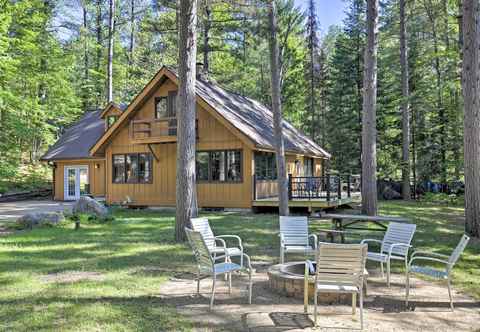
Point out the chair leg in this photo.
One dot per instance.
(381, 269)
(250, 287)
(388, 273)
(315, 303)
(361, 309)
(450, 293)
(213, 293)
(354, 303)
(407, 288)
(198, 284)
(230, 283)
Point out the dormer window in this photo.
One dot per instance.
(111, 120)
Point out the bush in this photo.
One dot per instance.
(442, 198)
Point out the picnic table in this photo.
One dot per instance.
(344, 222)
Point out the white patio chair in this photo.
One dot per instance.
(207, 267)
(445, 274)
(340, 269)
(294, 237)
(203, 226)
(395, 245)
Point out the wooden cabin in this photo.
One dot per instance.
(128, 152)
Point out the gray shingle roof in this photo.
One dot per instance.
(76, 141)
(250, 117)
(255, 120)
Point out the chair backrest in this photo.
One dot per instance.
(398, 233)
(294, 230)
(202, 254)
(341, 263)
(202, 226)
(458, 250)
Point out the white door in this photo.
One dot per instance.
(76, 182)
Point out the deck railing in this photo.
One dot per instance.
(145, 129)
(328, 187)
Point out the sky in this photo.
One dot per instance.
(329, 12)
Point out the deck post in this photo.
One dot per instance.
(254, 187)
(290, 194)
(349, 194)
(339, 188)
(328, 187)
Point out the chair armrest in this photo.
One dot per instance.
(370, 240)
(425, 258)
(247, 258)
(226, 236)
(398, 245)
(282, 240)
(315, 240)
(432, 254)
(223, 243)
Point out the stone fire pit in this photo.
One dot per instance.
(288, 279)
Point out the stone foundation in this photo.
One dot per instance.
(285, 279)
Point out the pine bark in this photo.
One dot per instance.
(277, 111)
(405, 105)
(471, 95)
(186, 139)
(369, 131)
(206, 36)
(111, 32)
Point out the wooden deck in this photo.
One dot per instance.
(310, 204)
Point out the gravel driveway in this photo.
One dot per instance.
(10, 211)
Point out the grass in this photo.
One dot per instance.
(136, 253)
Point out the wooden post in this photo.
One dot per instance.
(254, 187)
(349, 194)
(290, 183)
(328, 187)
(339, 188)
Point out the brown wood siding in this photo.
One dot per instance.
(212, 136)
(96, 176)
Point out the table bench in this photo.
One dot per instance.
(342, 222)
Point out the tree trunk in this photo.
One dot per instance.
(369, 130)
(111, 32)
(99, 47)
(85, 54)
(471, 95)
(405, 105)
(186, 139)
(132, 34)
(206, 37)
(277, 111)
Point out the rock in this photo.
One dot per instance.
(88, 205)
(34, 219)
(388, 193)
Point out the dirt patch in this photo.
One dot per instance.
(72, 276)
(385, 308)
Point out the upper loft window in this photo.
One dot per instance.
(111, 120)
(165, 107)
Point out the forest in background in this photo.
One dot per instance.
(53, 68)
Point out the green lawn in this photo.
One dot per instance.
(133, 255)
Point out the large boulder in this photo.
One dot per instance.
(35, 219)
(90, 206)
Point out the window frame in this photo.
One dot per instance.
(137, 156)
(224, 151)
(155, 113)
(269, 164)
(107, 120)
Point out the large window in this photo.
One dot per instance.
(219, 166)
(132, 168)
(265, 166)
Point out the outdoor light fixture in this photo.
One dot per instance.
(97, 165)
